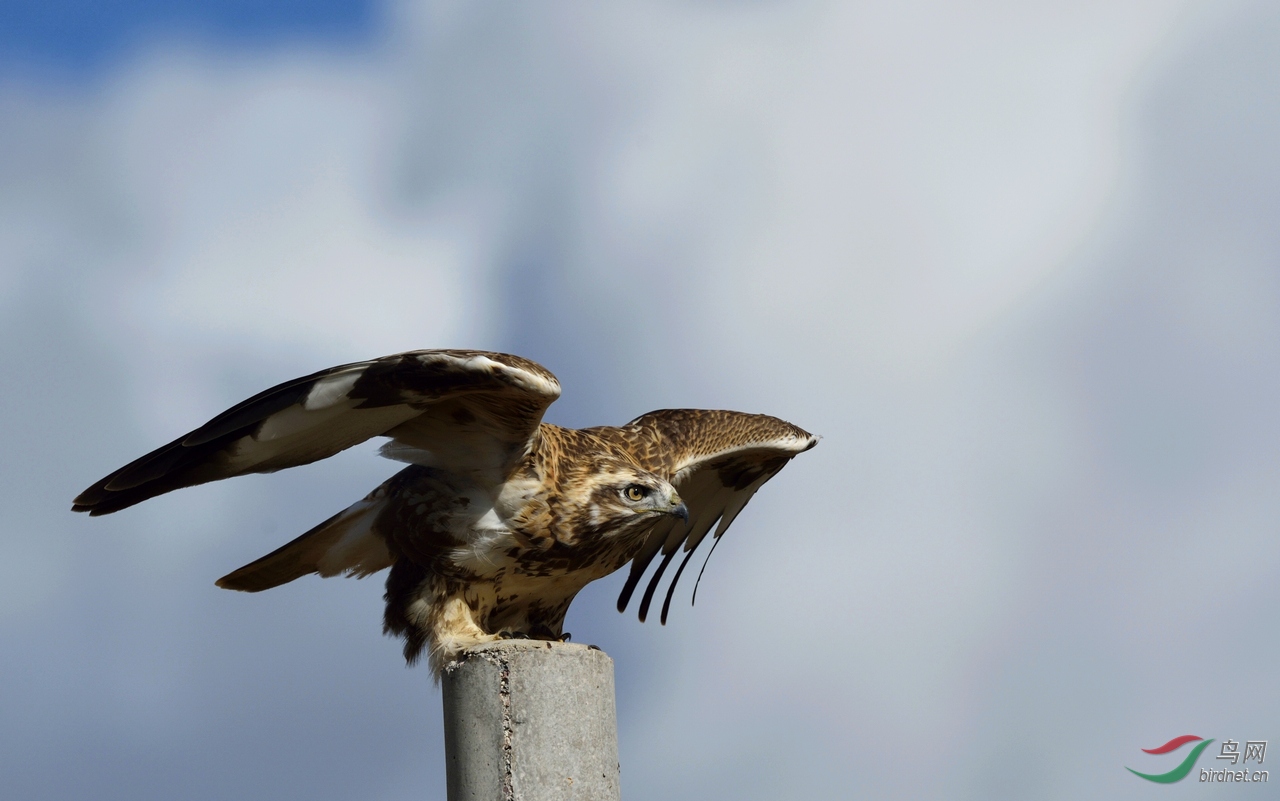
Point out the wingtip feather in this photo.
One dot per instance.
(230, 582)
(671, 589)
(653, 584)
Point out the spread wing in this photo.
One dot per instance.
(716, 460)
(465, 409)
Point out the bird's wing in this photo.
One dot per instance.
(716, 460)
(462, 409)
(358, 541)
(347, 543)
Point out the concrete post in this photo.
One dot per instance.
(526, 720)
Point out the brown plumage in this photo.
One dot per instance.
(500, 519)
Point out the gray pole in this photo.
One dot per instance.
(526, 720)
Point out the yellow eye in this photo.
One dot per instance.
(635, 492)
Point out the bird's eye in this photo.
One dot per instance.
(635, 492)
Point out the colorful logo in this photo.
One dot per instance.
(1179, 773)
(1254, 751)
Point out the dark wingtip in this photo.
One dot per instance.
(666, 603)
(653, 585)
(638, 567)
(624, 597)
(96, 500)
(105, 504)
(88, 500)
(229, 582)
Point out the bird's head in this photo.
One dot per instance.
(623, 496)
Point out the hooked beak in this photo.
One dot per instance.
(678, 508)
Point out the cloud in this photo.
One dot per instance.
(1011, 263)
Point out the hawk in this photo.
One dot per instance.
(499, 519)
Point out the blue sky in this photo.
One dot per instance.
(1016, 263)
(83, 36)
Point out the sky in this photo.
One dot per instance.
(1018, 264)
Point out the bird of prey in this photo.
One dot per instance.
(499, 519)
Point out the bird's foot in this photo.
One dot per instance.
(545, 633)
(536, 633)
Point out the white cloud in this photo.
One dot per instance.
(907, 227)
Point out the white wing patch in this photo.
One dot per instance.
(344, 544)
(298, 420)
(358, 551)
(398, 451)
(299, 436)
(332, 389)
(525, 379)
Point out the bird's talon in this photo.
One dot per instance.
(545, 633)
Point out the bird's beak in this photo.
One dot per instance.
(678, 508)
